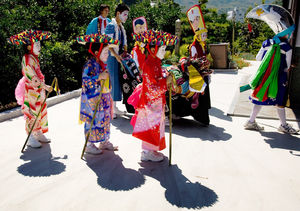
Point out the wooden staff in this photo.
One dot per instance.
(53, 82)
(94, 115)
(170, 122)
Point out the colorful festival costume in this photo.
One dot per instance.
(271, 79)
(91, 87)
(149, 119)
(132, 64)
(90, 92)
(270, 82)
(188, 82)
(30, 91)
(138, 52)
(130, 78)
(116, 32)
(201, 101)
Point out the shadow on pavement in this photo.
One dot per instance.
(282, 141)
(219, 114)
(192, 129)
(112, 174)
(123, 123)
(41, 164)
(180, 191)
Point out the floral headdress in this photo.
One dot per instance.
(28, 37)
(157, 38)
(96, 38)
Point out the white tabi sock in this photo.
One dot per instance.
(281, 115)
(256, 109)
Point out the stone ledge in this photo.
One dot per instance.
(16, 112)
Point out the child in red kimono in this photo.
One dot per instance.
(149, 119)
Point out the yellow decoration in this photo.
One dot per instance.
(259, 11)
(196, 81)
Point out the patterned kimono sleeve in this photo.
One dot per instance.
(30, 74)
(90, 81)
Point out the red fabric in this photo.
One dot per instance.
(249, 27)
(265, 77)
(105, 23)
(153, 91)
(199, 49)
(100, 24)
(141, 56)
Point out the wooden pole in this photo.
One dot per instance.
(53, 82)
(170, 123)
(94, 115)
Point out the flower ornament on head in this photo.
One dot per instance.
(96, 38)
(28, 37)
(155, 38)
(31, 38)
(158, 38)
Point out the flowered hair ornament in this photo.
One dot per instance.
(96, 38)
(28, 37)
(157, 38)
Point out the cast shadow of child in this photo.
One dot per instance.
(122, 123)
(41, 164)
(112, 174)
(180, 191)
(281, 140)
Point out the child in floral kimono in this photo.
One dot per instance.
(94, 76)
(149, 119)
(30, 91)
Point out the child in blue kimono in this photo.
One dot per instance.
(94, 76)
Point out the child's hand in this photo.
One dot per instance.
(103, 76)
(48, 88)
(119, 58)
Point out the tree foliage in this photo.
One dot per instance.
(61, 56)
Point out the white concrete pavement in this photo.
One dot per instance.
(220, 167)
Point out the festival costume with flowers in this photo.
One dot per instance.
(149, 98)
(270, 82)
(187, 83)
(91, 87)
(130, 74)
(198, 100)
(30, 91)
(116, 32)
(138, 52)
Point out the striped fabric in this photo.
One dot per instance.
(34, 96)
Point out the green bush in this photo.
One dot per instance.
(183, 50)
